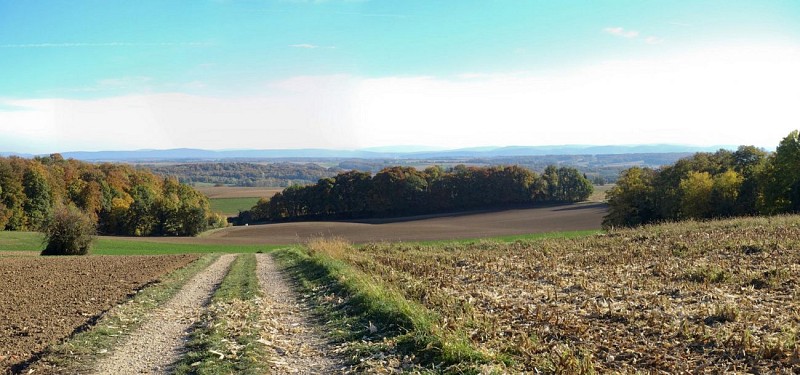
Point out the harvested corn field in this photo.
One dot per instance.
(44, 299)
(678, 298)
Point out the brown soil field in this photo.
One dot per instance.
(475, 224)
(45, 299)
(238, 192)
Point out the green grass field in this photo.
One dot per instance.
(32, 241)
(20, 241)
(232, 206)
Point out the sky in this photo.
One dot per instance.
(346, 74)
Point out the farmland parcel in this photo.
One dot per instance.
(43, 300)
(675, 298)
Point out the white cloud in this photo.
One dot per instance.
(314, 116)
(734, 95)
(717, 96)
(632, 34)
(621, 32)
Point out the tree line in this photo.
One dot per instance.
(396, 191)
(748, 181)
(245, 174)
(120, 199)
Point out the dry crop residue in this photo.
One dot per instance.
(158, 343)
(44, 299)
(296, 344)
(678, 298)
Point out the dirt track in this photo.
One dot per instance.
(44, 299)
(296, 346)
(158, 343)
(584, 216)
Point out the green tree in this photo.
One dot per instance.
(573, 186)
(550, 182)
(630, 201)
(725, 193)
(39, 203)
(4, 212)
(696, 195)
(13, 195)
(68, 232)
(141, 217)
(782, 180)
(749, 162)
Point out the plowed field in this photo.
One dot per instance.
(475, 224)
(45, 299)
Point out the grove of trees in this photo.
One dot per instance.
(398, 191)
(120, 199)
(748, 181)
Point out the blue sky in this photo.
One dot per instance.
(223, 74)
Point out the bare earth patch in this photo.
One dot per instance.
(296, 344)
(158, 343)
(475, 224)
(44, 299)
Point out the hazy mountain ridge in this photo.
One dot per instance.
(189, 154)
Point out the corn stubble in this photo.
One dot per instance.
(720, 296)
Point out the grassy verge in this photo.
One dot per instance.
(225, 341)
(372, 321)
(79, 353)
(121, 246)
(32, 241)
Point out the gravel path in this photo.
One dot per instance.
(159, 342)
(296, 343)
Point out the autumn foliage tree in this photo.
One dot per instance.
(398, 191)
(748, 181)
(118, 198)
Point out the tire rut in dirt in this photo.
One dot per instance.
(159, 342)
(295, 341)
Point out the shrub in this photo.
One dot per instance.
(68, 232)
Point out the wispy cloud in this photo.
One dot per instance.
(105, 44)
(310, 46)
(653, 40)
(621, 32)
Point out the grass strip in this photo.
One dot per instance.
(376, 319)
(226, 339)
(80, 352)
(109, 245)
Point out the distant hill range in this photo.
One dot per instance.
(406, 152)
